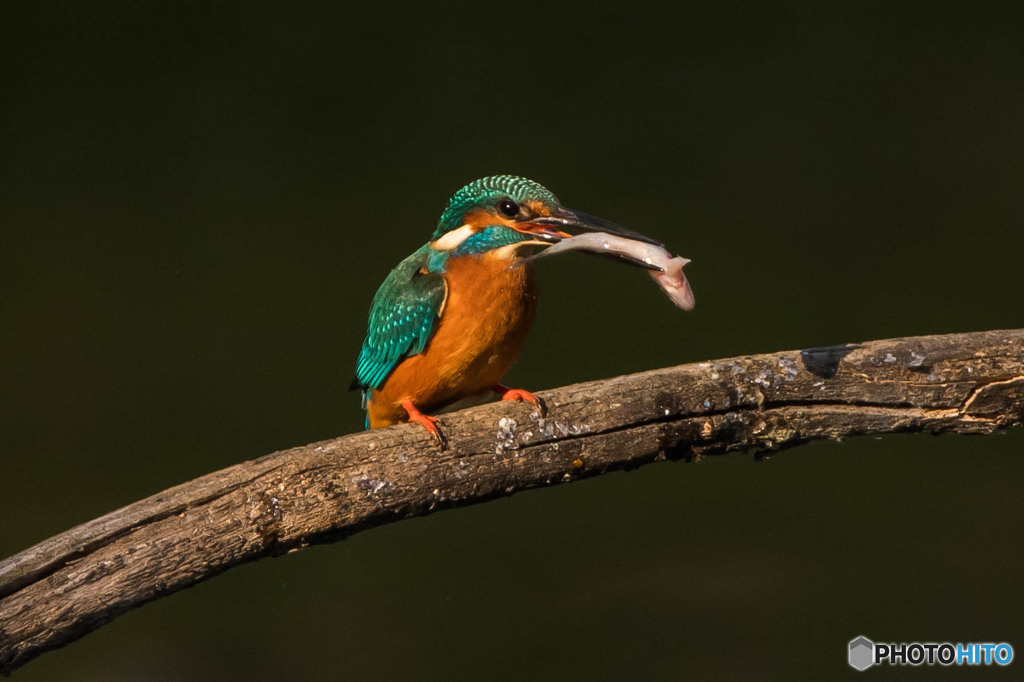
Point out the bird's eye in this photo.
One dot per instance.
(508, 207)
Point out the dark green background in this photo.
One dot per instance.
(197, 203)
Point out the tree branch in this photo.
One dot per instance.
(72, 583)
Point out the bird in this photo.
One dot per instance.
(449, 321)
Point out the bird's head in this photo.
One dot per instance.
(501, 214)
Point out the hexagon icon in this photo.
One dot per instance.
(862, 653)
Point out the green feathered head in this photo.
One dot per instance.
(508, 211)
(498, 198)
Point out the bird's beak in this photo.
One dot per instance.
(564, 223)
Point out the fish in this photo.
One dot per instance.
(665, 269)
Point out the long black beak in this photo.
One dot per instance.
(575, 222)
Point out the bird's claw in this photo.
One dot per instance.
(427, 422)
(520, 394)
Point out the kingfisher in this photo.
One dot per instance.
(450, 319)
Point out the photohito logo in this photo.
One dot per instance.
(863, 653)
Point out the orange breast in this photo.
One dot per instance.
(484, 322)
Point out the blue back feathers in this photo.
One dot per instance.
(402, 318)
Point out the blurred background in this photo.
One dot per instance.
(199, 200)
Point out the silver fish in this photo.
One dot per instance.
(664, 269)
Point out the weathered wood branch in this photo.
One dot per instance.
(71, 584)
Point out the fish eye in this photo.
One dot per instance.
(508, 207)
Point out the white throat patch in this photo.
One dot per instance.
(451, 240)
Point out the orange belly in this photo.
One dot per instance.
(483, 326)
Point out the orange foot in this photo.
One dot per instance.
(425, 420)
(507, 393)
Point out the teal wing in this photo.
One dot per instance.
(402, 318)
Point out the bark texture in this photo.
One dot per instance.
(72, 583)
